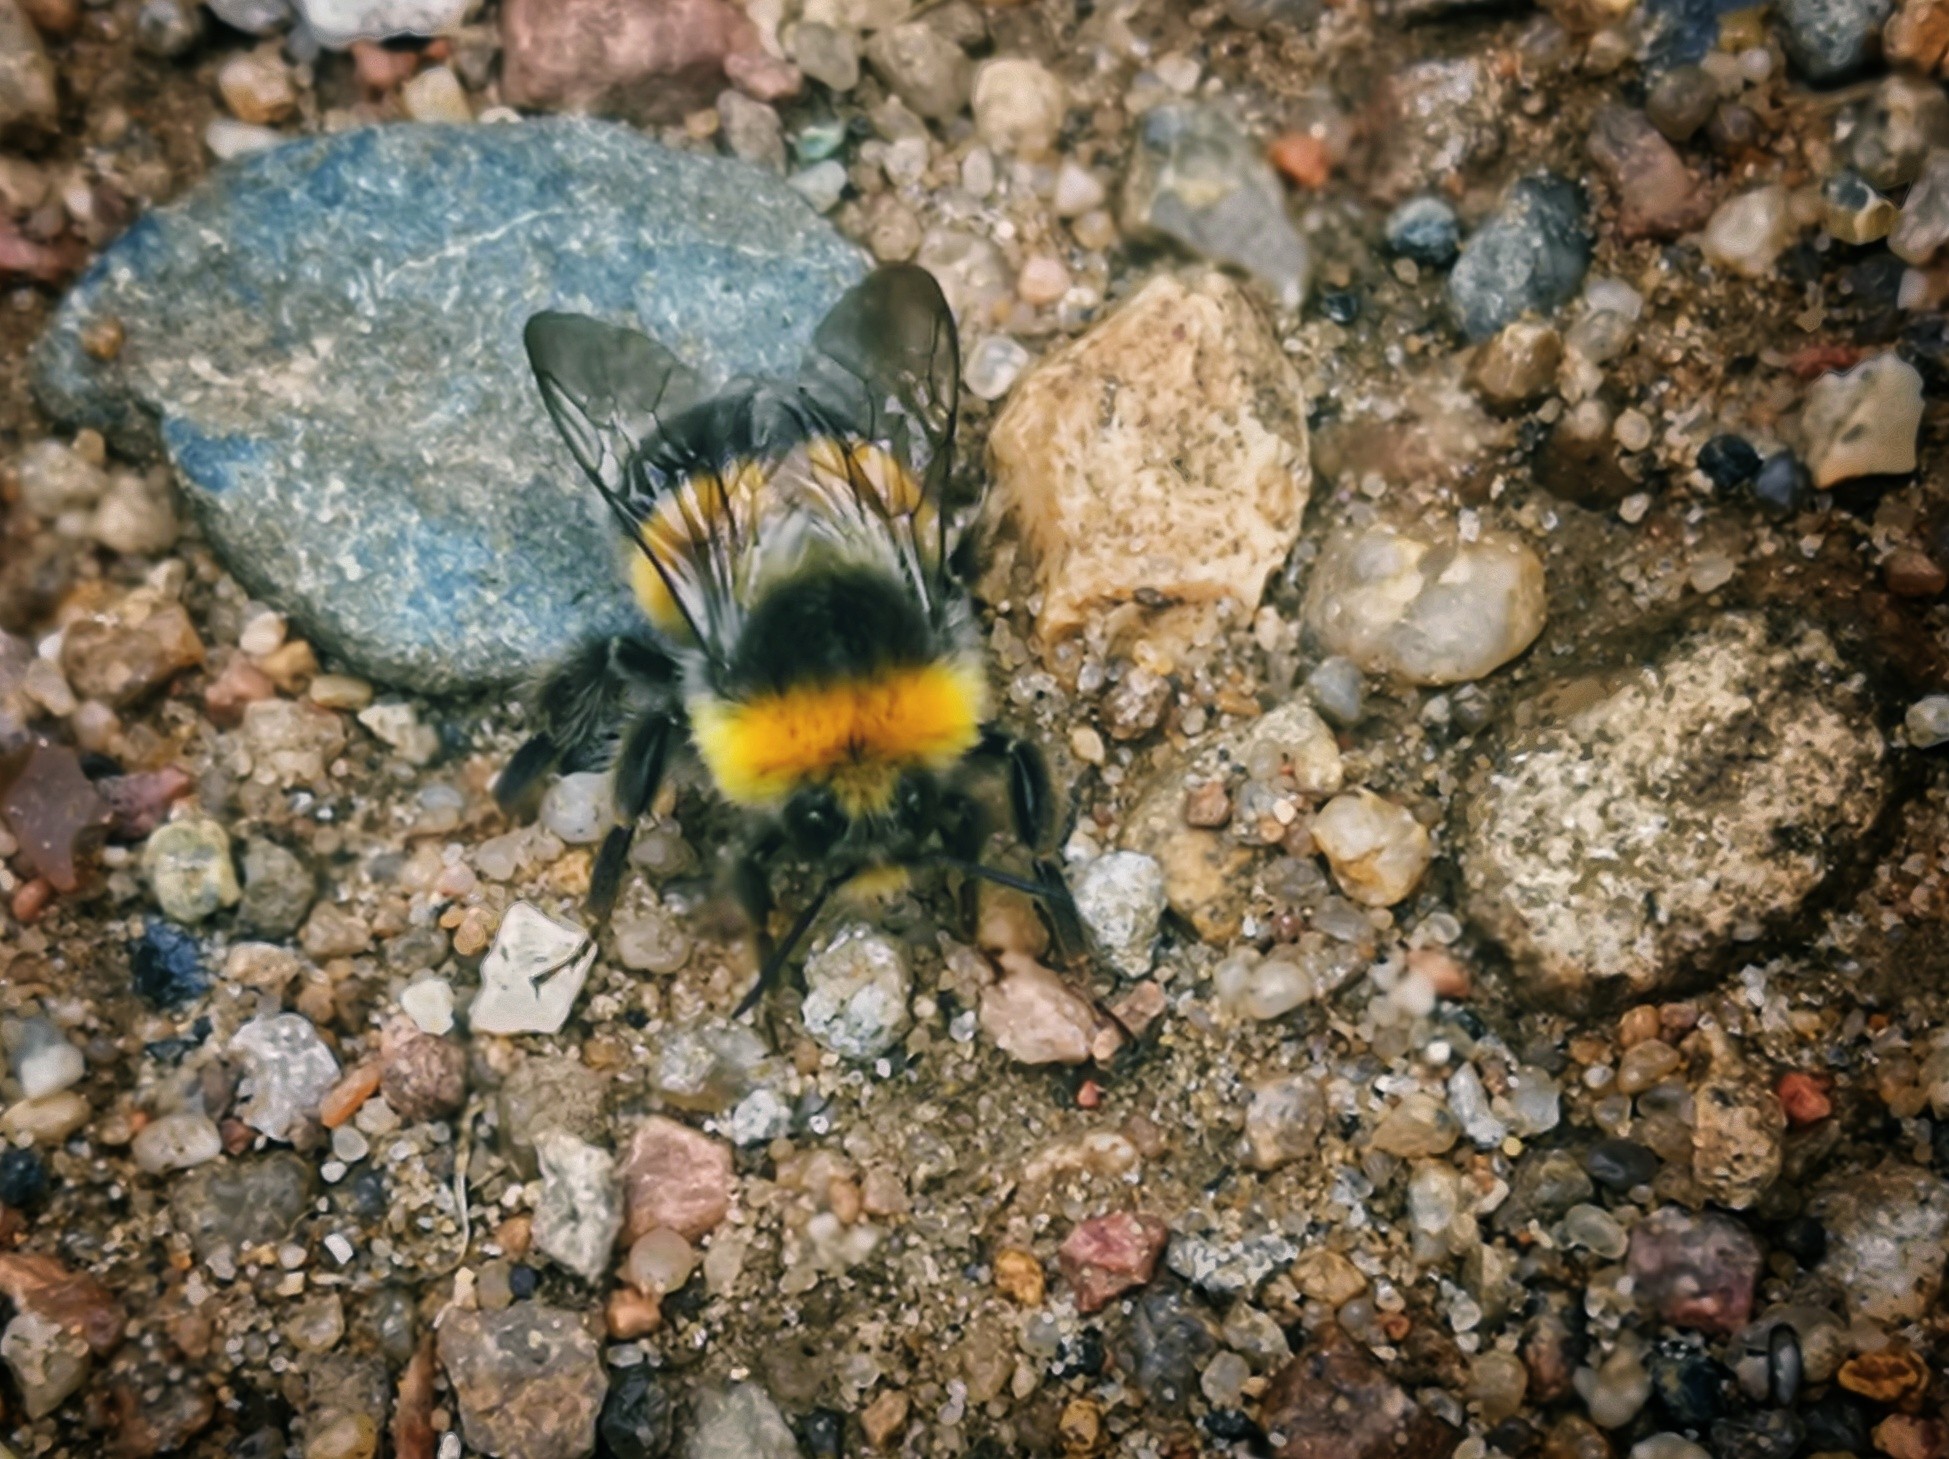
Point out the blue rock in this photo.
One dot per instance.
(1425, 230)
(1530, 256)
(1681, 32)
(1830, 40)
(166, 965)
(325, 340)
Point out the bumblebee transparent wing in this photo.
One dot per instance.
(885, 366)
(607, 389)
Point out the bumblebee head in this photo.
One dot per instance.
(821, 816)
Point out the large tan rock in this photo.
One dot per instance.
(1160, 458)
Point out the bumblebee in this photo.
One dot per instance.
(805, 636)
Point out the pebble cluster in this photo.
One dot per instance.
(1466, 513)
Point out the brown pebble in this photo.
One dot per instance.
(30, 900)
(884, 1418)
(1301, 158)
(1912, 574)
(1208, 804)
(633, 1314)
(103, 339)
(1889, 1376)
(1445, 975)
(1639, 1025)
(515, 1235)
(1019, 1277)
(292, 665)
(241, 683)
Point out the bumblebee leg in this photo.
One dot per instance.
(750, 887)
(1059, 911)
(639, 771)
(1029, 797)
(963, 829)
(576, 708)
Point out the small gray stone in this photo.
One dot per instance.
(48, 1360)
(406, 502)
(188, 866)
(1338, 690)
(168, 28)
(1888, 136)
(760, 1116)
(1923, 227)
(752, 130)
(529, 1380)
(1197, 180)
(856, 990)
(1120, 899)
(278, 890)
(288, 1071)
(1531, 255)
(337, 23)
(253, 17)
(581, 1205)
(1283, 1121)
(43, 1059)
(238, 1206)
(922, 67)
(1830, 40)
(828, 54)
(738, 1422)
(1425, 230)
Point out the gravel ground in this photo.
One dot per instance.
(1459, 492)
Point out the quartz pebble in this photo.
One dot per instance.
(532, 974)
(429, 1003)
(580, 807)
(176, 1142)
(1887, 1239)
(278, 890)
(1120, 899)
(1863, 422)
(738, 1422)
(288, 1071)
(1748, 232)
(1429, 607)
(1018, 105)
(1283, 1121)
(1419, 1126)
(856, 992)
(1378, 850)
(44, 1061)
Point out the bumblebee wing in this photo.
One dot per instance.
(608, 391)
(885, 368)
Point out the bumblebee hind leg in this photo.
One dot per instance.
(639, 772)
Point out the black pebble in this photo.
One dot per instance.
(167, 966)
(1836, 1424)
(822, 1433)
(1620, 1164)
(1783, 485)
(1783, 1365)
(1342, 306)
(1515, 1437)
(1229, 1424)
(364, 1193)
(1939, 1145)
(523, 1280)
(23, 1179)
(1729, 460)
(1083, 1358)
(1804, 1239)
(639, 1418)
(1689, 1386)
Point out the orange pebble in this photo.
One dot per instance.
(1089, 1095)
(633, 1314)
(1303, 159)
(348, 1095)
(1804, 1097)
(31, 900)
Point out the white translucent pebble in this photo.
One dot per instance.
(533, 973)
(1533, 1101)
(1748, 233)
(1468, 1100)
(263, 633)
(822, 184)
(435, 95)
(229, 139)
(337, 23)
(994, 364)
(1613, 296)
(1078, 190)
(429, 1003)
(1616, 1391)
(176, 1142)
(289, 1070)
(659, 1260)
(43, 1060)
(578, 807)
(1120, 899)
(1863, 422)
(1927, 721)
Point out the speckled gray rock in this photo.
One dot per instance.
(856, 990)
(239, 1205)
(326, 341)
(581, 1207)
(529, 1380)
(1530, 256)
(1120, 898)
(1887, 1239)
(1829, 40)
(1647, 820)
(1196, 179)
(739, 1422)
